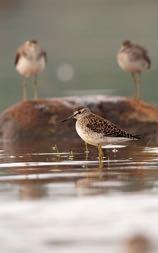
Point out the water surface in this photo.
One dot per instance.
(54, 197)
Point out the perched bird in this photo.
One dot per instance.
(134, 59)
(98, 131)
(30, 60)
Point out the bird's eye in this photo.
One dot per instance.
(77, 113)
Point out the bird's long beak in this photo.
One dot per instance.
(68, 118)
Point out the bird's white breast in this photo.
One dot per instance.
(128, 64)
(89, 136)
(28, 68)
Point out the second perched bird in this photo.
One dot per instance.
(30, 60)
(134, 59)
(98, 131)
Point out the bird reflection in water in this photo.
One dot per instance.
(138, 243)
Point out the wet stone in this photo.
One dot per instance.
(42, 118)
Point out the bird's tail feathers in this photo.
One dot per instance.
(137, 137)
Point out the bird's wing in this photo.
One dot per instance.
(135, 54)
(20, 51)
(107, 128)
(145, 54)
(44, 54)
(147, 58)
(139, 53)
(17, 56)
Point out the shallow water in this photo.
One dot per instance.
(54, 197)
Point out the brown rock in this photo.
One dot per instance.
(42, 118)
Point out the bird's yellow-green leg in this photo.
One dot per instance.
(138, 77)
(101, 154)
(55, 148)
(108, 158)
(24, 89)
(86, 151)
(71, 155)
(35, 84)
(137, 82)
(86, 147)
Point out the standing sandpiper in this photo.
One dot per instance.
(30, 60)
(98, 131)
(134, 59)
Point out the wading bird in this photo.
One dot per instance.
(97, 131)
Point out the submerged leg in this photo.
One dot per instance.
(100, 153)
(137, 82)
(35, 84)
(55, 148)
(24, 91)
